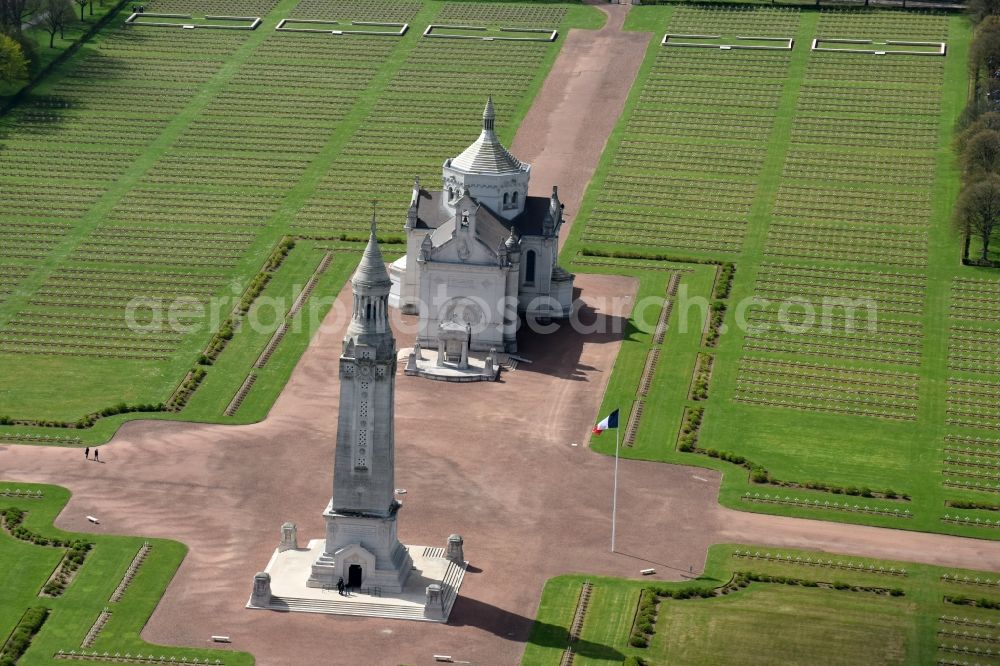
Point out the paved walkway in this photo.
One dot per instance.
(495, 462)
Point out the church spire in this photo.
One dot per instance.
(489, 115)
(371, 272)
(371, 285)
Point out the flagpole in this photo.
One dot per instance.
(614, 496)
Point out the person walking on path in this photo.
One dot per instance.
(97, 456)
(86, 453)
(340, 587)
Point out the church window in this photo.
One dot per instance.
(513, 198)
(368, 309)
(451, 194)
(506, 198)
(529, 266)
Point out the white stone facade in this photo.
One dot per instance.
(481, 251)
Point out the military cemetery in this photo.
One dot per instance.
(754, 243)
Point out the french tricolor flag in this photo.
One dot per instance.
(609, 423)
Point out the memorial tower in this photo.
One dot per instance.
(361, 543)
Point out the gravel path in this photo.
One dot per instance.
(565, 131)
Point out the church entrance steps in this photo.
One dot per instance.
(362, 606)
(433, 552)
(480, 367)
(452, 583)
(348, 606)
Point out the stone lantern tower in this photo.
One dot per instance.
(361, 543)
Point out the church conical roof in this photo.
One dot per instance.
(487, 154)
(371, 271)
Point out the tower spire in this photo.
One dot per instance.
(371, 285)
(371, 271)
(489, 115)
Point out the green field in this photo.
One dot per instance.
(821, 176)
(839, 610)
(25, 567)
(153, 175)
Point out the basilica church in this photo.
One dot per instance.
(480, 252)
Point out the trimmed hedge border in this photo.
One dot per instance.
(644, 624)
(966, 504)
(962, 600)
(71, 562)
(20, 638)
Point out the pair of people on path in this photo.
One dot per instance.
(97, 454)
(341, 588)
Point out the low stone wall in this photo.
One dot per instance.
(133, 20)
(786, 43)
(401, 27)
(942, 47)
(550, 34)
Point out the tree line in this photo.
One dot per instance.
(977, 212)
(19, 52)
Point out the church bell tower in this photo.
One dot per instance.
(361, 543)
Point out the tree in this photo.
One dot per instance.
(56, 14)
(978, 211)
(82, 4)
(982, 154)
(15, 13)
(985, 48)
(13, 64)
(980, 9)
(986, 121)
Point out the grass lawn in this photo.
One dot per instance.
(796, 625)
(820, 176)
(180, 202)
(607, 624)
(25, 567)
(776, 623)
